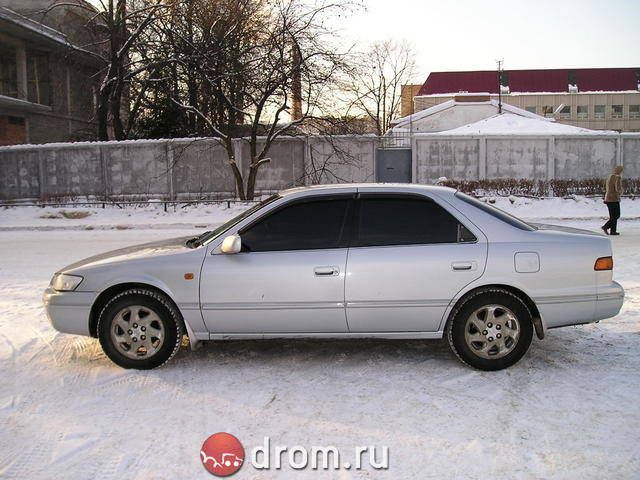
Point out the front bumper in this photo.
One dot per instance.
(69, 312)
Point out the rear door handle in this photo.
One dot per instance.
(326, 271)
(461, 266)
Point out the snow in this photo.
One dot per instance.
(576, 207)
(568, 409)
(206, 216)
(150, 215)
(510, 124)
(97, 143)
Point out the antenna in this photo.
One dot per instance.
(499, 63)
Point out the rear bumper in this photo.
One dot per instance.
(609, 302)
(68, 312)
(564, 311)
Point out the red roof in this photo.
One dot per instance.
(557, 80)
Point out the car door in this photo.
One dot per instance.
(409, 256)
(289, 276)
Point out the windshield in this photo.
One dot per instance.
(206, 237)
(496, 212)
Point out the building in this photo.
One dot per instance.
(462, 109)
(593, 98)
(47, 83)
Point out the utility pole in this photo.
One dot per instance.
(500, 62)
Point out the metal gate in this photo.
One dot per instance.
(393, 165)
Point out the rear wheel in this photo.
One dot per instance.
(140, 328)
(490, 330)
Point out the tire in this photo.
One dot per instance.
(140, 328)
(490, 330)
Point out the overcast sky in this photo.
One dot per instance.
(471, 35)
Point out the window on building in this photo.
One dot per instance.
(582, 112)
(38, 78)
(565, 112)
(547, 111)
(598, 112)
(8, 71)
(634, 111)
(531, 108)
(616, 111)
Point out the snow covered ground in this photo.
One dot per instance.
(569, 409)
(152, 215)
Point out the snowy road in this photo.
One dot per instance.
(569, 409)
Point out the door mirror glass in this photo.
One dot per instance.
(231, 244)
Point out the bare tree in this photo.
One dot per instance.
(374, 84)
(248, 56)
(115, 28)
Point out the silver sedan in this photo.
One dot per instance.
(344, 261)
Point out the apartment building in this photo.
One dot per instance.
(47, 83)
(594, 98)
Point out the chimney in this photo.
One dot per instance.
(296, 84)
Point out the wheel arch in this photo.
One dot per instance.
(103, 298)
(531, 305)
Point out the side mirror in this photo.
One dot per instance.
(231, 244)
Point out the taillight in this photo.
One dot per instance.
(604, 263)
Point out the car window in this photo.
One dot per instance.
(306, 225)
(207, 237)
(495, 212)
(406, 221)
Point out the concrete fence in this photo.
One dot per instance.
(523, 157)
(176, 168)
(195, 168)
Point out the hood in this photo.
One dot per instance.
(137, 252)
(560, 228)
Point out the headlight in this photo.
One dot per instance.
(65, 283)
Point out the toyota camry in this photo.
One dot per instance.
(344, 261)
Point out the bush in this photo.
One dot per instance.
(540, 188)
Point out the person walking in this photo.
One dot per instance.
(612, 200)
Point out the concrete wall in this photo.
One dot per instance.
(195, 168)
(443, 158)
(527, 157)
(178, 168)
(517, 158)
(340, 159)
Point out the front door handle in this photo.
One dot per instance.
(326, 271)
(461, 266)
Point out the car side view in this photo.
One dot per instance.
(344, 261)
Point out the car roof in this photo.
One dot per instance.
(369, 187)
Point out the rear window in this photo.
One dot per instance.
(495, 212)
(406, 220)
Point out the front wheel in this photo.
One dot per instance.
(490, 330)
(140, 328)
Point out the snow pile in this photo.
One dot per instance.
(510, 124)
